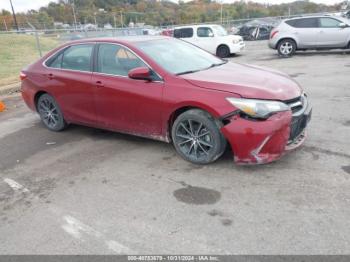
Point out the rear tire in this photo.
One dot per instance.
(223, 51)
(197, 138)
(286, 47)
(50, 113)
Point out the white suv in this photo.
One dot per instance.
(212, 38)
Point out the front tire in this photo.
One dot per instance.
(197, 138)
(50, 113)
(286, 48)
(223, 51)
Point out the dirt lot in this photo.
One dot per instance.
(87, 191)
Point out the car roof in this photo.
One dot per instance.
(122, 39)
(198, 25)
(313, 16)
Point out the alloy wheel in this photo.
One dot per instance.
(49, 112)
(286, 48)
(194, 139)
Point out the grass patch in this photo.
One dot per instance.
(19, 50)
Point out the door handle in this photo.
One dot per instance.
(99, 84)
(50, 76)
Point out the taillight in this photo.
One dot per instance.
(22, 76)
(273, 33)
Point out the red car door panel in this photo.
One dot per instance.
(129, 105)
(69, 77)
(74, 92)
(122, 103)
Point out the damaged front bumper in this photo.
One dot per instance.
(263, 141)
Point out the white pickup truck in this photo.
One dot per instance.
(213, 38)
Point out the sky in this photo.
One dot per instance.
(24, 5)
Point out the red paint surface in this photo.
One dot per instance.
(146, 108)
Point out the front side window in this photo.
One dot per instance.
(329, 22)
(116, 60)
(183, 32)
(171, 54)
(306, 23)
(77, 57)
(204, 32)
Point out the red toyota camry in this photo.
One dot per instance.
(169, 90)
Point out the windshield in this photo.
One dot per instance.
(178, 57)
(219, 30)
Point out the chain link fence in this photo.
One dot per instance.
(20, 48)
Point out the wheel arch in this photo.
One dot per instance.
(36, 98)
(183, 108)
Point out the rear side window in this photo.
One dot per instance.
(205, 32)
(77, 57)
(183, 32)
(326, 22)
(116, 60)
(55, 62)
(303, 23)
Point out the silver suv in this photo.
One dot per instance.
(316, 32)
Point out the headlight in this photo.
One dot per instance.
(258, 108)
(236, 41)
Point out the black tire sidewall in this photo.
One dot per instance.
(209, 123)
(61, 122)
(223, 54)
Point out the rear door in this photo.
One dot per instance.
(306, 31)
(69, 76)
(122, 103)
(331, 34)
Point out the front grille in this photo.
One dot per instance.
(297, 126)
(298, 106)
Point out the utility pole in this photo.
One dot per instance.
(14, 16)
(115, 21)
(75, 17)
(5, 24)
(121, 18)
(221, 12)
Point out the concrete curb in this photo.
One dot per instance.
(10, 89)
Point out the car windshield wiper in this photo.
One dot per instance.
(187, 72)
(219, 64)
(193, 71)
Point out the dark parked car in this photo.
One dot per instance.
(255, 32)
(167, 89)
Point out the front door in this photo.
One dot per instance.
(331, 34)
(205, 39)
(124, 104)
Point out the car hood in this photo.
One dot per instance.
(233, 37)
(248, 81)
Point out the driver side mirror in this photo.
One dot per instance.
(343, 25)
(140, 73)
